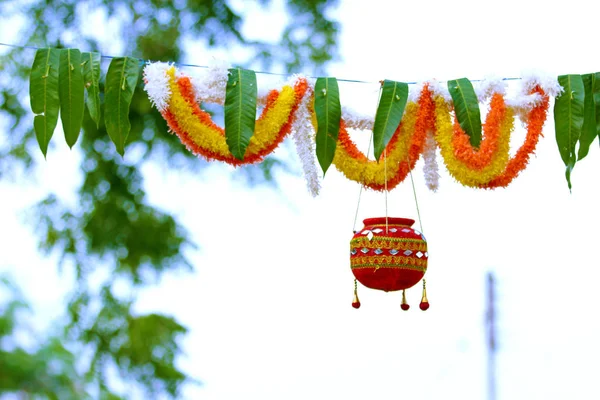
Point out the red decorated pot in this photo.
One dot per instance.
(388, 257)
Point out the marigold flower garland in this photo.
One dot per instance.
(202, 136)
(478, 158)
(427, 122)
(535, 122)
(499, 123)
(402, 152)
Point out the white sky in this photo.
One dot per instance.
(269, 305)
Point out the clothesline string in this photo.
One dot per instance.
(142, 61)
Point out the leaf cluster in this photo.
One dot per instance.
(57, 81)
(577, 117)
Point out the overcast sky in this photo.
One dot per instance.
(269, 305)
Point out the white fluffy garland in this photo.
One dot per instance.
(157, 84)
(304, 136)
(430, 167)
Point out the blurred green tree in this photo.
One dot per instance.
(113, 226)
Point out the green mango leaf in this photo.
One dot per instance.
(91, 79)
(596, 95)
(466, 107)
(240, 110)
(588, 130)
(329, 113)
(568, 119)
(121, 80)
(43, 95)
(389, 114)
(70, 92)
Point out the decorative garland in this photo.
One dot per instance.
(400, 133)
(426, 124)
(479, 158)
(196, 129)
(498, 125)
(402, 152)
(430, 167)
(535, 123)
(304, 137)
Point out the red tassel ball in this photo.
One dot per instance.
(404, 306)
(424, 305)
(356, 304)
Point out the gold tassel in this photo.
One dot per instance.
(355, 301)
(424, 305)
(404, 305)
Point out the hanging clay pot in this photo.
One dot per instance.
(387, 254)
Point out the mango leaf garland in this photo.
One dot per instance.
(466, 107)
(91, 78)
(389, 113)
(328, 111)
(70, 92)
(240, 110)
(568, 119)
(121, 80)
(43, 94)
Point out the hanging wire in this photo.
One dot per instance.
(386, 189)
(357, 207)
(361, 190)
(412, 181)
(142, 61)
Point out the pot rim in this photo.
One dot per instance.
(390, 221)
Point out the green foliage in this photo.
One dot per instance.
(91, 80)
(568, 119)
(466, 108)
(394, 96)
(590, 128)
(312, 31)
(596, 97)
(46, 370)
(144, 346)
(240, 110)
(121, 80)
(43, 93)
(71, 91)
(113, 227)
(329, 113)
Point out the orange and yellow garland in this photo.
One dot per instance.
(402, 152)
(488, 166)
(470, 168)
(535, 122)
(202, 136)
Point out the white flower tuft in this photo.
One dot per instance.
(523, 103)
(157, 84)
(438, 89)
(549, 84)
(211, 88)
(490, 85)
(414, 92)
(303, 134)
(430, 168)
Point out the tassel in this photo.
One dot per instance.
(355, 301)
(404, 305)
(424, 305)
